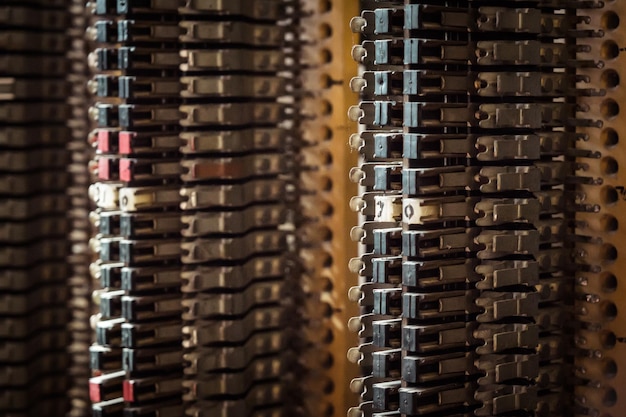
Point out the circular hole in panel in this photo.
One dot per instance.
(327, 284)
(328, 310)
(326, 183)
(325, 5)
(610, 78)
(610, 369)
(609, 137)
(326, 31)
(329, 387)
(327, 107)
(328, 337)
(610, 252)
(610, 397)
(609, 108)
(328, 361)
(327, 133)
(609, 50)
(610, 20)
(609, 310)
(326, 259)
(325, 81)
(326, 56)
(328, 262)
(328, 209)
(328, 159)
(324, 157)
(608, 339)
(609, 195)
(609, 223)
(609, 165)
(609, 282)
(325, 233)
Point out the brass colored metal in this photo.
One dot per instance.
(601, 361)
(327, 79)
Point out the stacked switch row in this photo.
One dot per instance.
(192, 197)
(468, 134)
(137, 358)
(380, 205)
(234, 203)
(33, 205)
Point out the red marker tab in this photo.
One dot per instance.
(104, 168)
(94, 391)
(103, 141)
(129, 391)
(106, 141)
(126, 169)
(125, 142)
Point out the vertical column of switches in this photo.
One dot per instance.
(33, 204)
(600, 365)
(482, 242)
(523, 287)
(138, 354)
(105, 386)
(380, 175)
(233, 248)
(438, 367)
